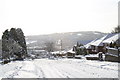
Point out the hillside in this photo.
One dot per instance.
(69, 39)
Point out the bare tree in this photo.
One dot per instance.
(49, 46)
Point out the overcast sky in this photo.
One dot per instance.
(52, 16)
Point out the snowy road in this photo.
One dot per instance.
(61, 68)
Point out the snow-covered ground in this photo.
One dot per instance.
(59, 68)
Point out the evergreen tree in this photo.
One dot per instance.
(116, 29)
(5, 47)
(13, 44)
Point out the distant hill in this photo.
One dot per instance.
(69, 39)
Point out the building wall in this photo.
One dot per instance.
(100, 49)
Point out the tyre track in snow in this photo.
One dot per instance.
(48, 70)
(71, 69)
(74, 71)
(58, 70)
(39, 71)
(99, 70)
(102, 67)
(64, 70)
(95, 70)
(28, 70)
(82, 69)
(65, 73)
(12, 73)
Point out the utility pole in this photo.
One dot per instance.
(61, 45)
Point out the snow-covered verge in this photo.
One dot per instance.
(59, 68)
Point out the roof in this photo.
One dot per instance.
(88, 45)
(99, 42)
(112, 39)
(71, 51)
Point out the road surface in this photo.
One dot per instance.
(59, 68)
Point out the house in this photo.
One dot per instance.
(109, 45)
(112, 45)
(98, 46)
(70, 54)
(113, 41)
(88, 47)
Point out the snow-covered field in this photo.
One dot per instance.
(59, 68)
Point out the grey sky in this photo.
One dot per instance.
(50, 16)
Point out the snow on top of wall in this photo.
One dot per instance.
(58, 52)
(92, 55)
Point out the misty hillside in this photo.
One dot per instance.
(68, 39)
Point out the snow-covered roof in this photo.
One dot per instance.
(81, 47)
(88, 45)
(99, 42)
(71, 51)
(112, 39)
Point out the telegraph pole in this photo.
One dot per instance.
(60, 44)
